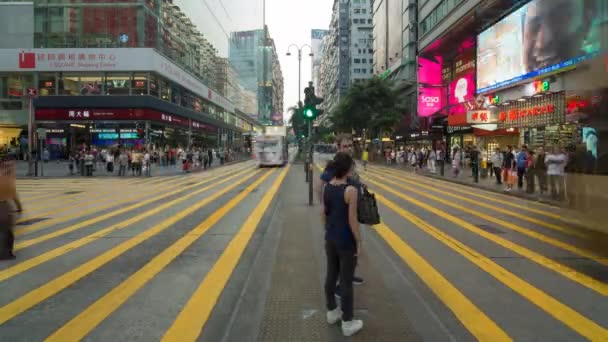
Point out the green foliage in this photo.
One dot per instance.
(298, 123)
(374, 104)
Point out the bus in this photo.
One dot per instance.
(270, 150)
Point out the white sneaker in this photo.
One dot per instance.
(349, 328)
(334, 315)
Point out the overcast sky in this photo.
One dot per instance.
(289, 22)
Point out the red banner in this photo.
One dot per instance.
(79, 114)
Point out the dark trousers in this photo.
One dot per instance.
(521, 172)
(497, 174)
(542, 180)
(340, 265)
(6, 229)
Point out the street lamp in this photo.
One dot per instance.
(299, 48)
(308, 164)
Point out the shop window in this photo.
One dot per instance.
(68, 84)
(153, 85)
(91, 84)
(117, 84)
(165, 90)
(176, 95)
(140, 84)
(47, 84)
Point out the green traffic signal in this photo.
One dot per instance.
(309, 113)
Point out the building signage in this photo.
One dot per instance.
(514, 114)
(429, 101)
(481, 117)
(119, 114)
(113, 59)
(534, 112)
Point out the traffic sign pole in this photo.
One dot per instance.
(31, 93)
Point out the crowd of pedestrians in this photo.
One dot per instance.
(137, 162)
(543, 171)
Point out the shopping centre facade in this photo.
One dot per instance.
(105, 87)
(499, 73)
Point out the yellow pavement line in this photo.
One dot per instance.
(568, 316)
(473, 319)
(494, 196)
(107, 192)
(191, 320)
(546, 239)
(56, 233)
(417, 181)
(48, 223)
(81, 325)
(58, 189)
(58, 284)
(54, 253)
(564, 270)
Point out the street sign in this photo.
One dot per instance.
(32, 92)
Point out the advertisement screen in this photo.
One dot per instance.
(430, 101)
(541, 37)
(431, 94)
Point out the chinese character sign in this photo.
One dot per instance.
(481, 117)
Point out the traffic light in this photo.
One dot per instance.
(311, 101)
(310, 112)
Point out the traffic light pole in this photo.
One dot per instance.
(310, 163)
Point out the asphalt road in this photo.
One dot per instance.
(236, 254)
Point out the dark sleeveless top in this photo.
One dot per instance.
(337, 228)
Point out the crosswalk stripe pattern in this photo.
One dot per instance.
(142, 216)
(403, 193)
(173, 217)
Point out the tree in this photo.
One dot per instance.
(374, 104)
(298, 123)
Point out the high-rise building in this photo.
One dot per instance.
(348, 50)
(113, 66)
(254, 57)
(395, 38)
(316, 43)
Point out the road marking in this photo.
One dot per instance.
(191, 320)
(44, 224)
(519, 215)
(499, 198)
(474, 320)
(62, 205)
(58, 284)
(535, 235)
(54, 253)
(564, 270)
(568, 316)
(81, 325)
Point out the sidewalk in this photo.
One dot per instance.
(55, 169)
(295, 305)
(586, 220)
(487, 183)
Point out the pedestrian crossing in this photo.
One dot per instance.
(533, 254)
(148, 259)
(115, 239)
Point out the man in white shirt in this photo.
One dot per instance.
(556, 162)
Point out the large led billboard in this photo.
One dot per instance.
(542, 36)
(431, 93)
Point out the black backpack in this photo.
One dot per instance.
(367, 207)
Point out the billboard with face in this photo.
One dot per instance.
(541, 37)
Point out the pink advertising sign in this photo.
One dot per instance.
(430, 101)
(462, 90)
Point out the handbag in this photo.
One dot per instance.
(367, 207)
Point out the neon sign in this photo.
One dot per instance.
(541, 86)
(514, 114)
(494, 100)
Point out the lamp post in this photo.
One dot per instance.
(308, 168)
